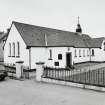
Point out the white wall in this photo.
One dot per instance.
(83, 58)
(43, 55)
(55, 52)
(99, 55)
(38, 54)
(15, 37)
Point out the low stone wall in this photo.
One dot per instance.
(84, 86)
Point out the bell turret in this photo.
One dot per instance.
(78, 29)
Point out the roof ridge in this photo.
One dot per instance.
(44, 27)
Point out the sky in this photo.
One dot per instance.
(58, 14)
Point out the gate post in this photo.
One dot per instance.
(19, 69)
(39, 70)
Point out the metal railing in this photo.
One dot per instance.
(93, 77)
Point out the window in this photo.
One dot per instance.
(9, 49)
(50, 51)
(18, 49)
(56, 63)
(84, 53)
(87, 52)
(92, 52)
(60, 56)
(79, 52)
(75, 52)
(13, 53)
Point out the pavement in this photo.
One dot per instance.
(30, 92)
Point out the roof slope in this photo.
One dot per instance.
(94, 42)
(35, 36)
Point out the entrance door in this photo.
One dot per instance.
(68, 59)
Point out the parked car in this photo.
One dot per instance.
(3, 74)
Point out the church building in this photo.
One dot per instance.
(56, 48)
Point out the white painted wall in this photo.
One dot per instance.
(55, 52)
(99, 55)
(43, 55)
(83, 58)
(38, 54)
(15, 37)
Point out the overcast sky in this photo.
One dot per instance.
(60, 14)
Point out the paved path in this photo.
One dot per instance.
(29, 92)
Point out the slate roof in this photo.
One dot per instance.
(37, 36)
(95, 42)
(3, 36)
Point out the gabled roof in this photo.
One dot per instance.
(37, 36)
(94, 42)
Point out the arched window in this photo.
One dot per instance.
(83, 52)
(92, 52)
(75, 53)
(9, 49)
(13, 50)
(79, 52)
(18, 49)
(50, 52)
(87, 52)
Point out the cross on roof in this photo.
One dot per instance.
(78, 19)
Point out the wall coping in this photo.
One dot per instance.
(40, 63)
(84, 86)
(20, 62)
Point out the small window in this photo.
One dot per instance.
(60, 56)
(75, 52)
(9, 49)
(87, 52)
(92, 52)
(84, 53)
(18, 49)
(13, 50)
(56, 63)
(79, 52)
(50, 52)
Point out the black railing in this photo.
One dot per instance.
(93, 77)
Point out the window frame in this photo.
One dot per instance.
(13, 49)
(18, 49)
(79, 52)
(50, 52)
(9, 50)
(83, 52)
(75, 52)
(93, 52)
(59, 56)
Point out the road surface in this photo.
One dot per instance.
(30, 92)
